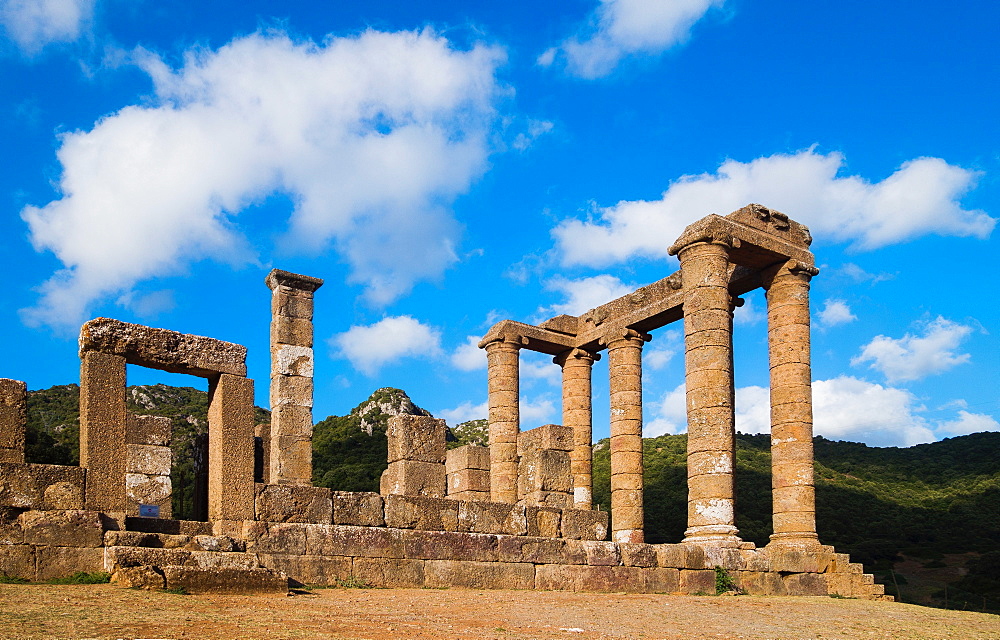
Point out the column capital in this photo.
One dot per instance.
(791, 268)
(713, 237)
(578, 355)
(630, 337)
(278, 278)
(503, 340)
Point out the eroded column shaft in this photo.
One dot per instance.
(709, 392)
(794, 500)
(577, 399)
(502, 361)
(625, 373)
(290, 450)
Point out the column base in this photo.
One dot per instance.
(628, 535)
(794, 540)
(716, 535)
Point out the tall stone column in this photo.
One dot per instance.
(503, 370)
(709, 390)
(577, 398)
(230, 448)
(625, 372)
(102, 430)
(792, 485)
(290, 446)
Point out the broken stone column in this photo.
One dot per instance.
(793, 492)
(13, 417)
(148, 457)
(102, 430)
(577, 398)
(503, 385)
(709, 391)
(544, 476)
(290, 450)
(230, 448)
(468, 469)
(416, 456)
(625, 372)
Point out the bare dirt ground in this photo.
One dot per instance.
(108, 611)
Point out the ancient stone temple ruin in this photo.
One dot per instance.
(516, 514)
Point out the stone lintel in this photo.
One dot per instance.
(277, 278)
(163, 349)
(563, 323)
(530, 336)
(749, 246)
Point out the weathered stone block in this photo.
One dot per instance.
(163, 349)
(465, 480)
(449, 545)
(553, 437)
(413, 512)
(147, 459)
(10, 528)
(294, 503)
(549, 499)
(216, 560)
(543, 521)
(340, 540)
(59, 562)
(727, 558)
(671, 555)
(358, 508)
(17, 561)
(153, 430)
(417, 438)
(139, 578)
(144, 489)
(232, 581)
(230, 449)
(118, 557)
(295, 331)
(584, 524)
(544, 470)
(13, 416)
(797, 561)
(291, 390)
(307, 570)
(539, 550)
(476, 496)
(638, 554)
(410, 478)
(470, 456)
(478, 575)
(662, 580)
(805, 584)
(213, 543)
(492, 517)
(389, 572)
(697, 581)
(172, 527)
(285, 537)
(601, 553)
(144, 539)
(63, 528)
(598, 579)
(12, 455)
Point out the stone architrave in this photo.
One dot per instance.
(13, 417)
(625, 376)
(577, 397)
(230, 448)
(103, 430)
(503, 385)
(290, 450)
(793, 492)
(709, 391)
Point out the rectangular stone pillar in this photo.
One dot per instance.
(290, 448)
(230, 448)
(793, 492)
(416, 455)
(102, 430)
(709, 392)
(13, 417)
(577, 401)
(503, 385)
(625, 373)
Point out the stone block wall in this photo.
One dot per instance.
(544, 474)
(468, 472)
(416, 457)
(147, 466)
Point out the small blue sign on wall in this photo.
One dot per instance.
(149, 510)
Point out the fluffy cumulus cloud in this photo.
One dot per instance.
(370, 347)
(620, 28)
(921, 197)
(584, 294)
(371, 137)
(917, 356)
(534, 412)
(835, 312)
(464, 412)
(468, 356)
(33, 24)
(844, 408)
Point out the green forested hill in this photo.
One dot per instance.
(905, 513)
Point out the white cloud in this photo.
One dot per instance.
(749, 314)
(370, 347)
(33, 24)
(661, 351)
(921, 197)
(464, 412)
(619, 28)
(835, 312)
(371, 137)
(912, 357)
(468, 356)
(585, 293)
(967, 423)
(539, 366)
(536, 129)
(534, 413)
(669, 415)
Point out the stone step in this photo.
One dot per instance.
(167, 526)
(202, 580)
(116, 558)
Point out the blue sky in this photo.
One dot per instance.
(446, 165)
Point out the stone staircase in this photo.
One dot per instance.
(173, 554)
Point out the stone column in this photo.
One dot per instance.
(13, 418)
(290, 459)
(230, 448)
(709, 390)
(625, 372)
(102, 430)
(792, 485)
(577, 366)
(502, 362)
